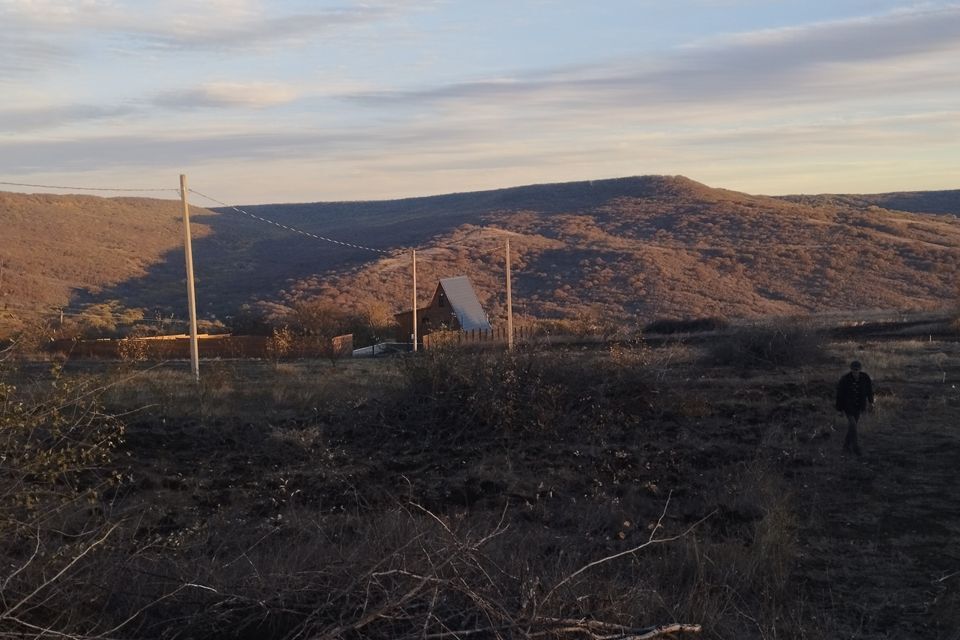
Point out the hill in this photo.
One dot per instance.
(644, 247)
(936, 202)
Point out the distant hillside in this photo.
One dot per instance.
(58, 248)
(936, 202)
(669, 246)
(627, 248)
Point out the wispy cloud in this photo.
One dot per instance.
(256, 30)
(815, 62)
(163, 149)
(228, 94)
(879, 89)
(23, 120)
(21, 55)
(180, 25)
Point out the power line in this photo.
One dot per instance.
(52, 186)
(289, 228)
(475, 249)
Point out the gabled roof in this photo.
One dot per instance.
(463, 300)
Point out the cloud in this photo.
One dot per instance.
(256, 30)
(764, 106)
(228, 94)
(812, 62)
(185, 25)
(21, 56)
(23, 156)
(253, 95)
(21, 120)
(52, 13)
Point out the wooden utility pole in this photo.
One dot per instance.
(509, 303)
(191, 295)
(413, 255)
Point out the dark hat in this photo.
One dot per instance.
(855, 365)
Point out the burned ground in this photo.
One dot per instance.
(420, 497)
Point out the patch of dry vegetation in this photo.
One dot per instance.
(542, 494)
(768, 345)
(508, 494)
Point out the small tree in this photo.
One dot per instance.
(279, 344)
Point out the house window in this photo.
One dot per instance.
(442, 299)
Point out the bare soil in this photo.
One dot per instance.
(789, 538)
(880, 537)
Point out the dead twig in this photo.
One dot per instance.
(652, 540)
(590, 628)
(8, 614)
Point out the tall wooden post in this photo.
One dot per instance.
(191, 295)
(413, 255)
(509, 303)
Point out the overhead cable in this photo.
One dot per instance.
(53, 186)
(289, 228)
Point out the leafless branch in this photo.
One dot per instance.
(650, 542)
(9, 612)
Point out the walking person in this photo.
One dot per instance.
(854, 396)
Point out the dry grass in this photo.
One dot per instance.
(252, 387)
(454, 491)
(778, 343)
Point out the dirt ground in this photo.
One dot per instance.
(880, 537)
(794, 539)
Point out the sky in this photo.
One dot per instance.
(297, 101)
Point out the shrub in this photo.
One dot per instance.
(689, 325)
(786, 344)
(58, 447)
(953, 324)
(527, 391)
(279, 344)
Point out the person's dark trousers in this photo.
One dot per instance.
(850, 444)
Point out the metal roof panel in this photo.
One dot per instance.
(463, 300)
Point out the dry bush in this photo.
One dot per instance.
(689, 325)
(406, 573)
(953, 325)
(781, 344)
(31, 340)
(57, 451)
(279, 344)
(133, 349)
(455, 390)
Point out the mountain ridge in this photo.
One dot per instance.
(626, 248)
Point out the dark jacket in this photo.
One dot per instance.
(853, 394)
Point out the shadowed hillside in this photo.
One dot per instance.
(644, 246)
(939, 202)
(658, 246)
